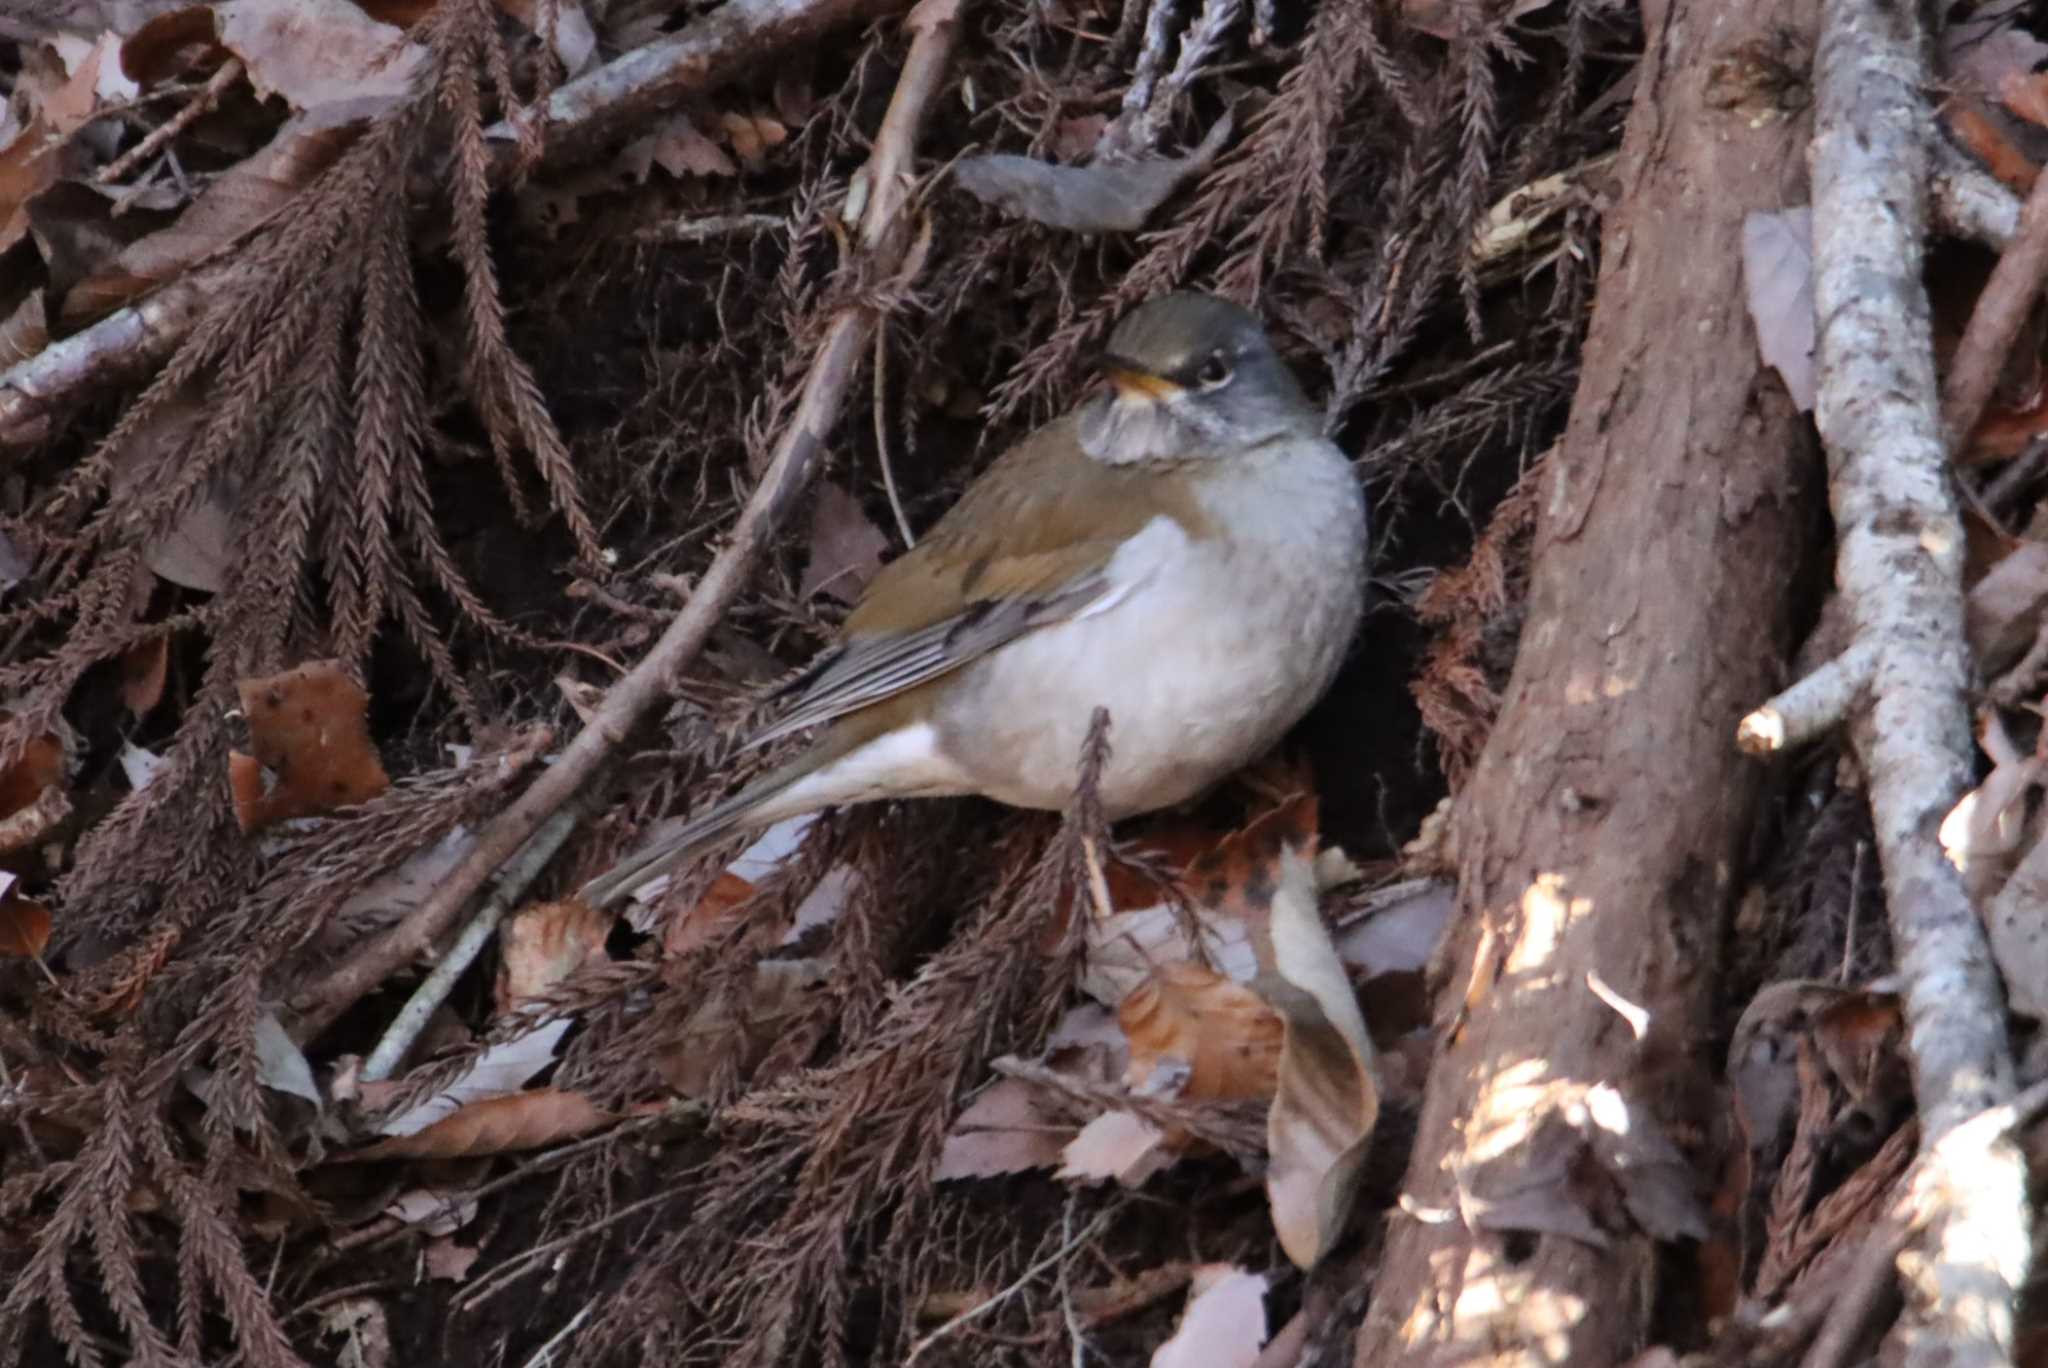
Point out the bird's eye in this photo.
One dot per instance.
(1215, 371)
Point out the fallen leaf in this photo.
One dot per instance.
(139, 766)
(447, 1261)
(435, 1211)
(307, 727)
(1224, 1323)
(497, 1125)
(172, 45)
(679, 149)
(751, 135)
(24, 923)
(26, 331)
(1004, 1130)
(316, 52)
(1777, 274)
(499, 1071)
(1218, 1038)
(32, 795)
(281, 1064)
(1327, 1099)
(1398, 928)
(1116, 1145)
(143, 669)
(1981, 834)
(1104, 197)
(542, 945)
(845, 547)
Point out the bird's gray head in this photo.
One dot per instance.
(1192, 377)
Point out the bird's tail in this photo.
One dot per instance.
(674, 842)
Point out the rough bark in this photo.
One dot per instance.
(1601, 834)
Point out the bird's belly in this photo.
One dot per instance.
(1200, 673)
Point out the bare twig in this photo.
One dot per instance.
(633, 697)
(2002, 307)
(1816, 703)
(1900, 569)
(510, 882)
(1970, 202)
(208, 96)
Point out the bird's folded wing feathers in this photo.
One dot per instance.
(1030, 544)
(866, 671)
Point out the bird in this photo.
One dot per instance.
(1185, 548)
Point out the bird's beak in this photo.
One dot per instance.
(1137, 384)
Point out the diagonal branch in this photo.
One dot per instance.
(888, 254)
(1899, 567)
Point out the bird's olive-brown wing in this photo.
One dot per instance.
(1030, 543)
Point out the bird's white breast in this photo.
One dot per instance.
(1204, 651)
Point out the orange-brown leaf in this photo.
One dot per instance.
(24, 927)
(1189, 1017)
(498, 1125)
(143, 670)
(544, 944)
(307, 728)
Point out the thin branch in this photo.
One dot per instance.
(2002, 307)
(510, 882)
(640, 692)
(1822, 700)
(1900, 569)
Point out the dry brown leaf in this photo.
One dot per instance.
(316, 52)
(696, 927)
(1777, 273)
(845, 546)
(2006, 606)
(1224, 1323)
(1979, 131)
(1327, 1099)
(143, 669)
(237, 202)
(32, 795)
(26, 331)
(1215, 1038)
(751, 135)
(42, 150)
(308, 729)
(1981, 834)
(447, 1261)
(1117, 1145)
(24, 923)
(178, 43)
(1004, 1130)
(677, 147)
(497, 1125)
(541, 945)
